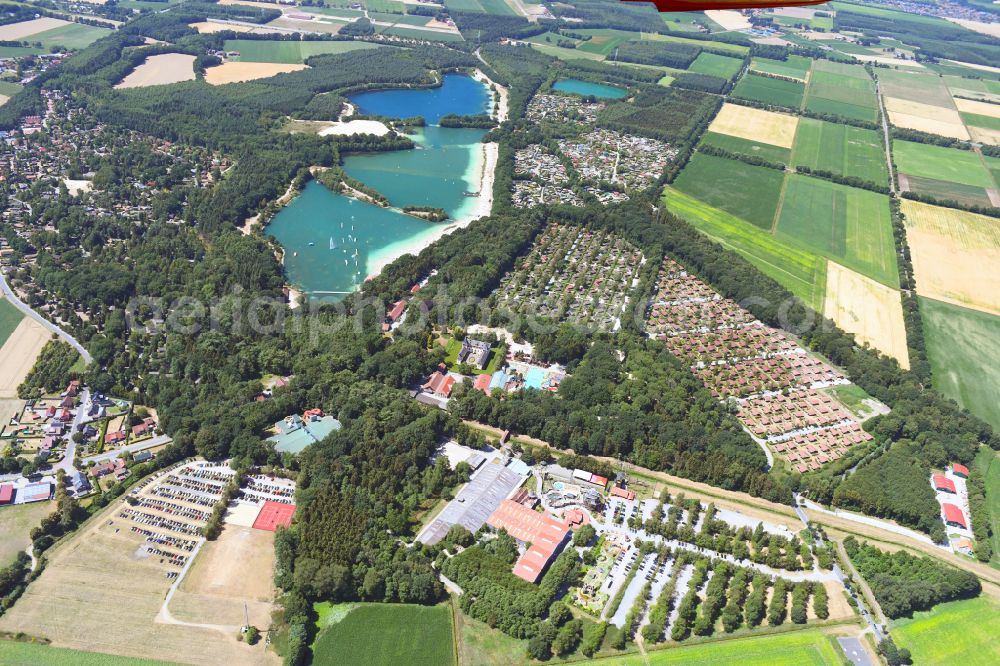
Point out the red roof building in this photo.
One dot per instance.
(953, 516)
(943, 483)
(398, 308)
(482, 383)
(960, 470)
(545, 536)
(599, 480)
(440, 384)
(623, 493)
(6, 493)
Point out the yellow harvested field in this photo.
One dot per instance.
(956, 255)
(981, 108)
(985, 135)
(159, 70)
(209, 27)
(236, 71)
(871, 311)
(100, 590)
(18, 354)
(776, 129)
(24, 29)
(730, 19)
(926, 118)
(3, 99)
(991, 29)
(238, 567)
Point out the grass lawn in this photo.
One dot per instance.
(260, 50)
(770, 91)
(853, 398)
(747, 191)
(451, 357)
(963, 348)
(15, 525)
(958, 632)
(846, 224)
(385, 634)
(716, 65)
(799, 648)
(841, 149)
(10, 317)
(988, 463)
(16, 653)
(735, 144)
(800, 270)
(482, 645)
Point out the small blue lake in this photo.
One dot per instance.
(332, 242)
(586, 88)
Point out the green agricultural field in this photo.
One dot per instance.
(465, 6)
(497, 8)
(958, 632)
(988, 463)
(386, 635)
(736, 49)
(844, 90)
(9, 88)
(716, 65)
(849, 225)
(795, 67)
(800, 270)
(841, 149)
(978, 120)
(799, 648)
(735, 144)
(948, 173)
(922, 87)
(262, 50)
(770, 91)
(16, 523)
(73, 37)
(963, 348)
(17, 654)
(603, 41)
(10, 317)
(750, 192)
(417, 33)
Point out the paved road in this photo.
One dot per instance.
(855, 651)
(159, 440)
(67, 462)
(23, 307)
(874, 522)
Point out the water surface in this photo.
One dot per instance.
(586, 88)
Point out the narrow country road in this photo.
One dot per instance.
(26, 309)
(159, 440)
(885, 135)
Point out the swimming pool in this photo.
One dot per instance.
(534, 378)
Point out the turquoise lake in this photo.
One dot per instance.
(332, 242)
(585, 88)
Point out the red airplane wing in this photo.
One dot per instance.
(700, 5)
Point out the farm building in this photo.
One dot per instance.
(960, 470)
(953, 516)
(36, 492)
(6, 493)
(474, 503)
(543, 535)
(944, 484)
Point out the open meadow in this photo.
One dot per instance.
(796, 67)
(159, 70)
(963, 348)
(869, 310)
(846, 224)
(797, 648)
(843, 90)
(288, 52)
(716, 65)
(18, 354)
(841, 149)
(945, 173)
(15, 526)
(956, 255)
(15, 653)
(385, 635)
(778, 92)
(237, 72)
(958, 632)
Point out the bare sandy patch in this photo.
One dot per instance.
(308, 25)
(4, 99)
(983, 28)
(926, 118)
(16, 31)
(956, 255)
(980, 108)
(237, 71)
(889, 60)
(795, 12)
(869, 310)
(160, 70)
(211, 27)
(238, 566)
(355, 127)
(730, 19)
(77, 187)
(777, 129)
(985, 135)
(18, 354)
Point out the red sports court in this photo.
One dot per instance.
(273, 514)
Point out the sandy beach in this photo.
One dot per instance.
(501, 91)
